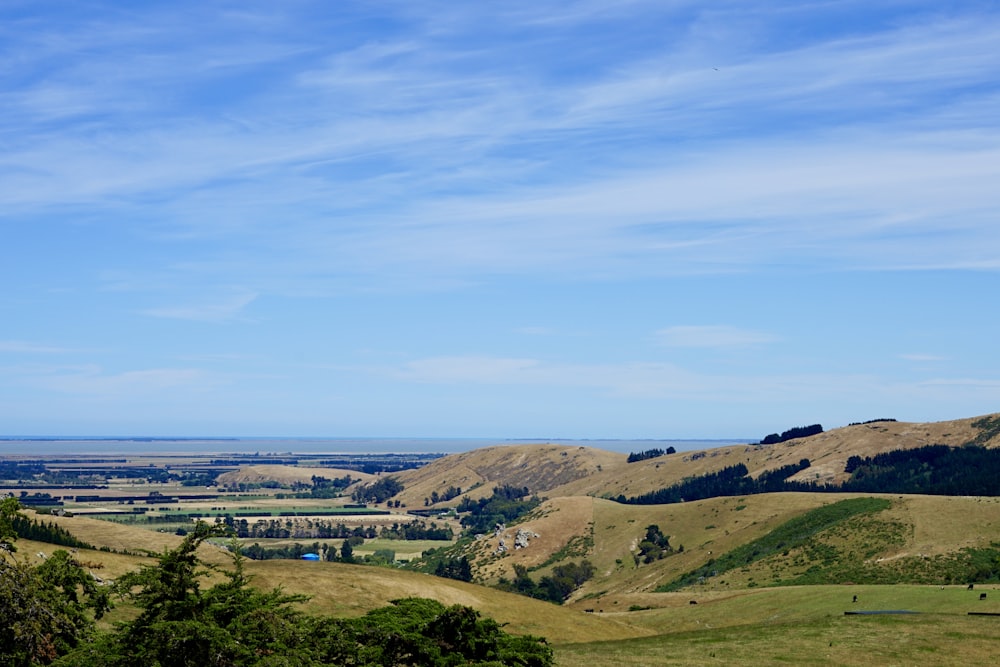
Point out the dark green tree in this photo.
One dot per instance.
(180, 625)
(346, 552)
(454, 568)
(654, 546)
(45, 610)
(232, 624)
(420, 632)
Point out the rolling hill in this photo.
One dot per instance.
(916, 539)
(540, 467)
(577, 521)
(333, 588)
(285, 474)
(558, 471)
(774, 571)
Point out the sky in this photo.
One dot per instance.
(626, 219)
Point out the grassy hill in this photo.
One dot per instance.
(619, 617)
(559, 470)
(285, 474)
(916, 539)
(541, 468)
(335, 588)
(771, 574)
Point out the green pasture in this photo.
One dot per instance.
(808, 626)
(405, 549)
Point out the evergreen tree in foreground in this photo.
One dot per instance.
(232, 624)
(45, 610)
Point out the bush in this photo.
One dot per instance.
(230, 623)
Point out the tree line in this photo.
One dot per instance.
(449, 493)
(324, 529)
(792, 433)
(33, 529)
(932, 469)
(730, 481)
(634, 457)
(377, 492)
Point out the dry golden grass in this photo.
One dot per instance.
(931, 525)
(340, 589)
(286, 474)
(124, 538)
(539, 467)
(107, 566)
(705, 529)
(827, 452)
(946, 524)
(607, 533)
(349, 590)
(554, 525)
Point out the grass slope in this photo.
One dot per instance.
(807, 626)
(283, 474)
(556, 470)
(539, 467)
(741, 617)
(336, 588)
(916, 539)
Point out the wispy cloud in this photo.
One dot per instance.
(923, 357)
(434, 156)
(221, 310)
(632, 379)
(662, 381)
(967, 383)
(94, 381)
(25, 347)
(712, 336)
(204, 165)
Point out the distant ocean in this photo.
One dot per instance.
(45, 446)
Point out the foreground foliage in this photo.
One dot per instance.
(45, 610)
(233, 624)
(47, 615)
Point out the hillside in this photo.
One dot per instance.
(916, 539)
(557, 470)
(336, 588)
(919, 539)
(560, 470)
(827, 452)
(285, 474)
(773, 571)
(541, 468)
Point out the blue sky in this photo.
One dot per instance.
(583, 219)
